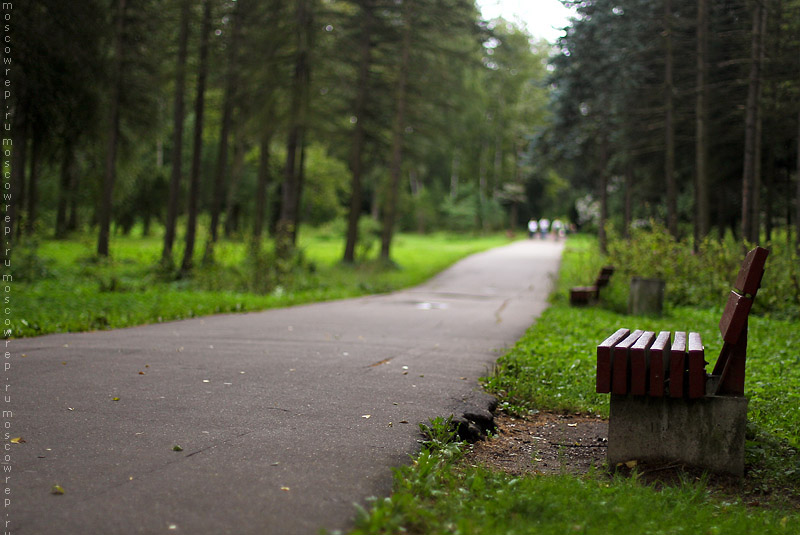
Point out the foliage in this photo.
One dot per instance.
(625, 75)
(703, 278)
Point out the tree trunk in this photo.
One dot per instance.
(629, 182)
(797, 195)
(757, 148)
(603, 186)
(72, 216)
(197, 149)
(702, 211)
(669, 154)
(177, 142)
(292, 181)
(225, 127)
(231, 208)
(33, 180)
(497, 173)
(398, 132)
(110, 174)
(749, 226)
(19, 162)
(261, 187)
(356, 159)
(64, 192)
(454, 176)
(481, 222)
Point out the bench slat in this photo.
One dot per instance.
(638, 356)
(677, 365)
(697, 367)
(603, 381)
(659, 363)
(620, 363)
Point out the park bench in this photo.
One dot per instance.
(583, 295)
(664, 406)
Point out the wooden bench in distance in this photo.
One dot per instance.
(664, 406)
(583, 295)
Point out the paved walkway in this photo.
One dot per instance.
(286, 418)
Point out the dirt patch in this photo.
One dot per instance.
(544, 443)
(552, 443)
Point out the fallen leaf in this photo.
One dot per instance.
(366, 416)
(403, 421)
(631, 464)
(177, 448)
(206, 381)
(572, 425)
(57, 490)
(64, 363)
(18, 440)
(114, 399)
(285, 489)
(141, 373)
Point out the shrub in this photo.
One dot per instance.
(703, 278)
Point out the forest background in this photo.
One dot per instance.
(196, 121)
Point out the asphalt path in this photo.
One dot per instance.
(285, 418)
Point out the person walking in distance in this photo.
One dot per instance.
(544, 227)
(532, 228)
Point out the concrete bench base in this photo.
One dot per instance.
(708, 432)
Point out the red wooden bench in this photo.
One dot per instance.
(641, 363)
(664, 405)
(583, 295)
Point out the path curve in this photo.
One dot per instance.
(286, 418)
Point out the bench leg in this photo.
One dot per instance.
(708, 432)
(730, 367)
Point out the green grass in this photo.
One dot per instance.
(437, 496)
(60, 286)
(552, 368)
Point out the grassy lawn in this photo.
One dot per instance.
(552, 367)
(62, 287)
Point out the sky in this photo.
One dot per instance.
(542, 17)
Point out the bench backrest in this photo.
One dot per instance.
(740, 300)
(604, 276)
(730, 366)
